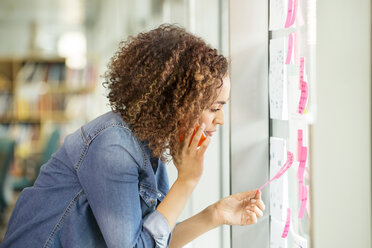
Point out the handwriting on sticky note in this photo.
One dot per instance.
(301, 167)
(303, 98)
(287, 223)
(302, 68)
(299, 143)
(300, 172)
(303, 202)
(277, 79)
(282, 170)
(290, 49)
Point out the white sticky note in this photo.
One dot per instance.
(298, 241)
(276, 230)
(278, 79)
(278, 187)
(278, 14)
(294, 94)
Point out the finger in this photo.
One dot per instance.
(247, 195)
(259, 204)
(197, 136)
(258, 195)
(246, 217)
(204, 145)
(252, 218)
(186, 141)
(256, 210)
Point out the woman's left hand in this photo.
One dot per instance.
(240, 209)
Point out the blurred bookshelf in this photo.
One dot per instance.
(39, 95)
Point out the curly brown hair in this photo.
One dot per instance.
(161, 81)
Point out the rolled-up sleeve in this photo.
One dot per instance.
(109, 175)
(156, 224)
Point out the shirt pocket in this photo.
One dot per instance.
(148, 196)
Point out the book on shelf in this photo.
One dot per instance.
(5, 103)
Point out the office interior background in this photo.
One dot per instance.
(53, 54)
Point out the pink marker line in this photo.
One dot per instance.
(303, 98)
(287, 223)
(299, 143)
(290, 49)
(282, 170)
(303, 202)
(300, 172)
(289, 14)
(294, 13)
(303, 159)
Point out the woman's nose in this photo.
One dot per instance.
(220, 118)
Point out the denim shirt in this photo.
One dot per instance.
(98, 190)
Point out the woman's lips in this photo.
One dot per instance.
(210, 133)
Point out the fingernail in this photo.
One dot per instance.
(253, 200)
(202, 126)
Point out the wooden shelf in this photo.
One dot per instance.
(68, 90)
(55, 116)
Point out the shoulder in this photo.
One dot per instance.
(110, 133)
(99, 124)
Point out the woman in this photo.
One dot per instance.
(107, 185)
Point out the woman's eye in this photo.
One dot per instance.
(214, 110)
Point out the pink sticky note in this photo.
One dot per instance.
(293, 18)
(303, 159)
(299, 143)
(303, 203)
(290, 49)
(300, 172)
(287, 223)
(303, 98)
(289, 14)
(282, 170)
(300, 189)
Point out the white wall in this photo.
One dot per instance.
(341, 137)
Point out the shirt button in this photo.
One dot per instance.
(159, 195)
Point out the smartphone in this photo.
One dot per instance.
(202, 138)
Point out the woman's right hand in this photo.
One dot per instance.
(190, 158)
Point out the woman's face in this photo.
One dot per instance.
(214, 115)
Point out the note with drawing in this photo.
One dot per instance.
(276, 230)
(279, 187)
(278, 79)
(278, 14)
(298, 241)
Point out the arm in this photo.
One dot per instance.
(189, 168)
(193, 227)
(237, 209)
